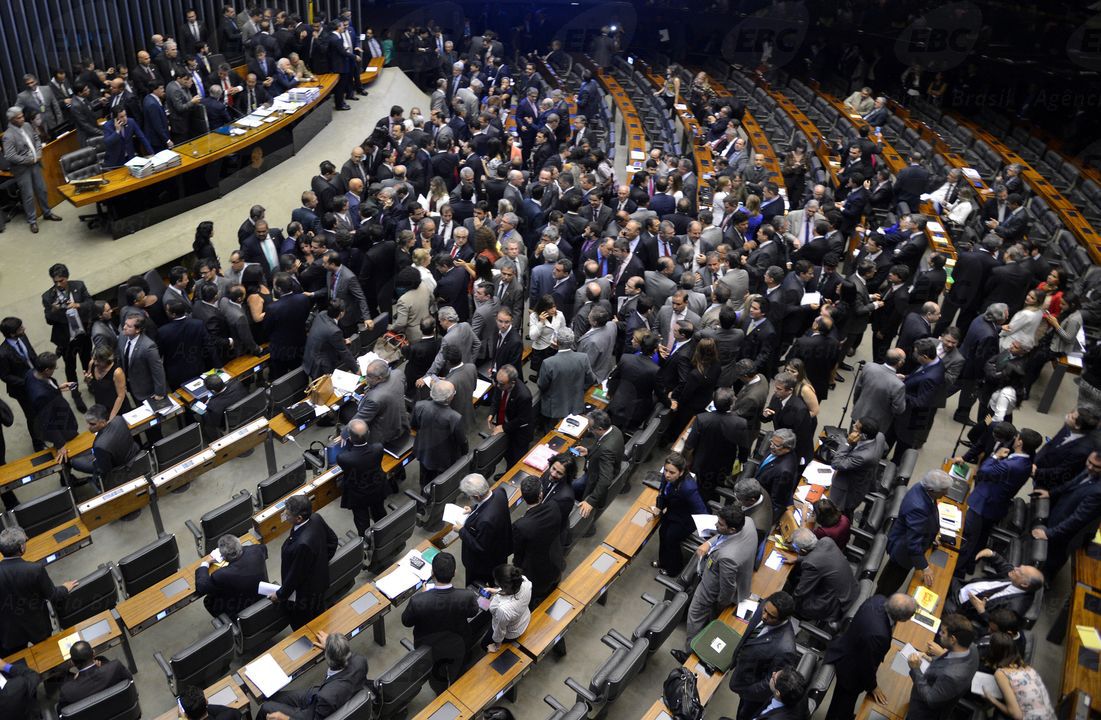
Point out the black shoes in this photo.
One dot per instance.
(679, 655)
(345, 106)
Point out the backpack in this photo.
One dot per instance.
(680, 695)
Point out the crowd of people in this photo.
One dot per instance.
(739, 317)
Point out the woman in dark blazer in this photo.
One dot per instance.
(691, 397)
(678, 500)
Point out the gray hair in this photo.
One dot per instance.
(804, 540)
(216, 91)
(378, 370)
(474, 486)
(448, 313)
(1026, 343)
(786, 437)
(997, 313)
(337, 651)
(747, 490)
(466, 173)
(442, 392)
(511, 218)
(230, 547)
(550, 253)
(566, 338)
(550, 231)
(936, 481)
(14, 112)
(12, 539)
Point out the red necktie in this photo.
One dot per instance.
(501, 408)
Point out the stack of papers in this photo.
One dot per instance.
(811, 298)
(573, 425)
(267, 589)
(705, 524)
(983, 684)
(165, 159)
(138, 415)
(454, 515)
(935, 227)
(266, 675)
(481, 388)
(971, 174)
(249, 121)
(404, 576)
(303, 94)
(140, 167)
(170, 406)
(899, 664)
(816, 473)
(1091, 639)
(344, 383)
(366, 359)
(951, 518)
(539, 457)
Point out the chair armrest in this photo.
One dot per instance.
(615, 639)
(582, 692)
(650, 598)
(164, 666)
(651, 483)
(554, 703)
(407, 644)
(415, 497)
(196, 531)
(725, 493)
(669, 583)
(119, 581)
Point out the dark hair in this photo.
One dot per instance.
(826, 513)
(509, 578)
(193, 702)
(531, 489)
(81, 653)
(733, 516)
(959, 627)
(1007, 619)
(567, 462)
(45, 361)
(9, 326)
(1002, 651)
(443, 567)
(791, 686)
(783, 602)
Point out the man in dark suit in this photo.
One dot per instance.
(440, 439)
(364, 482)
(440, 619)
(193, 32)
(537, 541)
(285, 323)
(326, 349)
(123, 139)
(1014, 225)
(762, 341)
(304, 562)
(856, 464)
(787, 410)
(1010, 587)
(601, 463)
(487, 531)
(910, 184)
(857, 653)
(25, 588)
(223, 395)
(1009, 283)
(185, 345)
(822, 581)
(19, 695)
(345, 675)
(260, 247)
(969, 277)
(512, 413)
(233, 587)
(59, 303)
(196, 707)
(767, 646)
(113, 447)
(155, 118)
(382, 406)
(93, 674)
(506, 347)
(913, 533)
(947, 679)
(923, 388)
(342, 283)
(980, 345)
(632, 384)
(1075, 509)
(778, 473)
(420, 354)
(819, 352)
(1059, 460)
(915, 326)
(713, 442)
(16, 358)
(141, 361)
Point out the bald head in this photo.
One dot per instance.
(895, 357)
(357, 431)
(901, 607)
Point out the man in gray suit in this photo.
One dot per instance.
(822, 581)
(737, 279)
(725, 565)
(659, 284)
(440, 439)
(952, 359)
(802, 221)
(879, 392)
(23, 151)
(464, 376)
(856, 464)
(948, 676)
(383, 404)
(141, 361)
(41, 107)
(455, 333)
(483, 321)
(750, 402)
(598, 343)
(670, 314)
(601, 463)
(563, 380)
(437, 103)
(239, 328)
(184, 109)
(341, 283)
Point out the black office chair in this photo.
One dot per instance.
(256, 625)
(449, 652)
(118, 702)
(663, 618)
(229, 518)
(396, 687)
(488, 455)
(200, 663)
(344, 565)
(140, 465)
(92, 595)
(45, 512)
(291, 476)
(613, 675)
(386, 538)
(81, 164)
(247, 409)
(358, 707)
(579, 711)
(442, 490)
(819, 685)
(147, 566)
(287, 390)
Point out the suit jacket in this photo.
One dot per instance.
(519, 420)
(213, 419)
(181, 111)
(55, 313)
(946, 680)
(857, 652)
(187, 350)
(819, 353)
(915, 529)
(824, 583)
(50, 108)
(114, 446)
(749, 403)
(145, 372)
(13, 368)
(487, 537)
(122, 147)
(794, 416)
(997, 483)
(233, 587)
(364, 481)
(632, 385)
(759, 655)
(1017, 602)
(383, 407)
(84, 120)
(335, 690)
(440, 439)
(285, 324)
(239, 328)
(880, 395)
(1059, 460)
(436, 612)
(599, 345)
(779, 476)
(465, 380)
(19, 695)
(969, 277)
(563, 379)
(714, 441)
(325, 348)
(726, 572)
(856, 467)
(461, 336)
(762, 346)
(537, 547)
(601, 467)
(92, 680)
(25, 588)
(923, 388)
(509, 351)
(1075, 506)
(304, 563)
(1008, 284)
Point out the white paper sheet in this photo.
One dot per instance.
(774, 561)
(746, 608)
(481, 388)
(706, 524)
(266, 675)
(817, 473)
(267, 589)
(344, 383)
(397, 582)
(454, 514)
(985, 681)
(811, 298)
(899, 664)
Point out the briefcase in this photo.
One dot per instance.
(715, 644)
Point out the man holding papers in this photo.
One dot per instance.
(940, 686)
(305, 562)
(345, 676)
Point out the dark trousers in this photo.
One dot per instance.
(843, 705)
(518, 446)
(893, 578)
(77, 348)
(976, 531)
(428, 475)
(289, 702)
(969, 390)
(538, 356)
(948, 310)
(28, 414)
(303, 610)
(670, 557)
(363, 516)
(8, 497)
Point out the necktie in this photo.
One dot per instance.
(501, 287)
(251, 101)
(672, 328)
(332, 286)
(128, 354)
(454, 250)
(269, 253)
(199, 83)
(19, 348)
(149, 71)
(991, 591)
(195, 30)
(665, 248)
(806, 230)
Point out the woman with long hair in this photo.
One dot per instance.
(107, 382)
(691, 397)
(1025, 322)
(436, 198)
(752, 208)
(794, 170)
(257, 299)
(544, 323)
(203, 245)
(1024, 696)
(1052, 287)
(678, 500)
(826, 520)
(509, 615)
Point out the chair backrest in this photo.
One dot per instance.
(149, 565)
(118, 702)
(358, 707)
(141, 464)
(177, 447)
(344, 565)
(288, 389)
(625, 669)
(387, 537)
(230, 518)
(45, 512)
(270, 489)
(401, 682)
(257, 624)
(247, 409)
(92, 595)
(80, 164)
(203, 661)
(819, 685)
(579, 526)
(101, 150)
(488, 455)
(660, 622)
(443, 489)
(808, 663)
(873, 558)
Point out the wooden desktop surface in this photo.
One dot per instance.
(240, 699)
(543, 630)
(636, 526)
(343, 618)
(587, 583)
(1087, 568)
(818, 144)
(1077, 676)
(46, 548)
(482, 685)
(47, 654)
(450, 705)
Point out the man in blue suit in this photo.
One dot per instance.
(913, 533)
(120, 137)
(923, 388)
(1075, 511)
(155, 119)
(283, 79)
(999, 479)
(285, 323)
(1062, 457)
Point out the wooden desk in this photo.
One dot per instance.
(281, 427)
(1077, 676)
(295, 654)
(1087, 565)
(911, 631)
(818, 144)
(632, 132)
(323, 489)
(362, 607)
(1059, 368)
(424, 545)
(591, 578)
(544, 630)
(895, 687)
(65, 539)
(236, 368)
(101, 631)
(27, 469)
(982, 190)
(693, 138)
(596, 397)
(871, 710)
(482, 685)
(217, 453)
(176, 591)
(372, 70)
(115, 503)
(226, 691)
(446, 707)
(636, 526)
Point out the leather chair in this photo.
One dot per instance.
(229, 518)
(142, 464)
(147, 566)
(442, 490)
(118, 702)
(92, 595)
(247, 409)
(359, 707)
(613, 675)
(386, 538)
(819, 685)
(400, 684)
(80, 164)
(579, 711)
(256, 625)
(488, 455)
(45, 512)
(663, 618)
(289, 477)
(344, 565)
(200, 663)
(287, 390)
